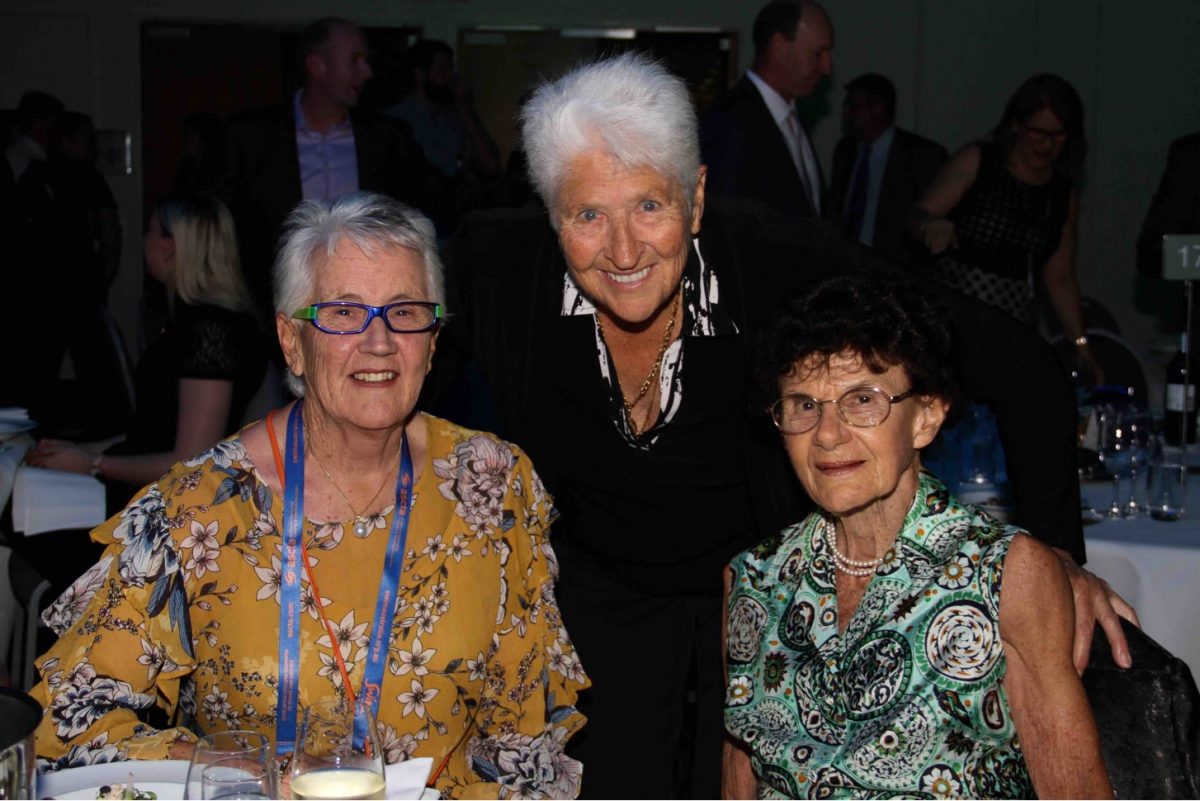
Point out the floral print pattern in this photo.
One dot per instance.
(183, 611)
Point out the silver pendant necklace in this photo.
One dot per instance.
(362, 524)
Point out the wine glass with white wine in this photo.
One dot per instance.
(338, 753)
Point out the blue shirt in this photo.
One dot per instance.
(438, 130)
(880, 149)
(328, 161)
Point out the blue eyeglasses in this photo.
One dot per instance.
(344, 317)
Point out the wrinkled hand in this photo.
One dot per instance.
(182, 749)
(939, 236)
(1095, 602)
(59, 454)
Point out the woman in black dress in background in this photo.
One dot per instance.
(194, 381)
(1002, 215)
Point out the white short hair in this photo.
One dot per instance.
(372, 222)
(630, 105)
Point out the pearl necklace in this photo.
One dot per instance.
(851, 567)
(362, 523)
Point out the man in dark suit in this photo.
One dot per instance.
(751, 137)
(318, 146)
(879, 170)
(1175, 208)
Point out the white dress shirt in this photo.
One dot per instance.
(784, 114)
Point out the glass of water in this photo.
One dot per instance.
(1167, 488)
(232, 765)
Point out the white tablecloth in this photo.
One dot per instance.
(1155, 566)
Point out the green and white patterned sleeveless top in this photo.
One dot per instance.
(908, 701)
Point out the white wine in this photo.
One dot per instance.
(338, 783)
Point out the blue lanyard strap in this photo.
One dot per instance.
(287, 700)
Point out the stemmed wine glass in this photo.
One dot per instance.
(338, 753)
(1139, 435)
(231, 765)
(1115, 453)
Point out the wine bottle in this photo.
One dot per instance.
(1180, 397)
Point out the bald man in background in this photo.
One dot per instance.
(752, 139)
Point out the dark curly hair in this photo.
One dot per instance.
(883, 320)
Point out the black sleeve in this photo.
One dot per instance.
(1012, 370)
(209, 346)
(1175, 208)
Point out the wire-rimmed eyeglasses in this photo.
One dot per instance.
(861, 407)
(345, 317)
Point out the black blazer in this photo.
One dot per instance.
(505, 293)
(747, 155)
(1175, 208)
(911, 164)
(262, 184)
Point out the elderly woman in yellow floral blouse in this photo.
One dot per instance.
(413, 553)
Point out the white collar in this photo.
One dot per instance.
(779, 107)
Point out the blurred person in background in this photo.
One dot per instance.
(195, 379)
(1002, 215)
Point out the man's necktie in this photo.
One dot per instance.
(797, 146)
(856, 202)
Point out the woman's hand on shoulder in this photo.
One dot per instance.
(1096, 602)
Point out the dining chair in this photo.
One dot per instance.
(1148, 717)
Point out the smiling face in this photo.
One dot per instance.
(1039, 140)
(369, 380)
(625, 234)
(848, 470)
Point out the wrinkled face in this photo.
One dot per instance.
(341, 68)
(1040, 139)
(625, 234)
(846, 469)
(808, 56)
(369, 380)
(158, 250)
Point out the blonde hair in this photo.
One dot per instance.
(207, 269)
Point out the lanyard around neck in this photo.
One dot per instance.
(295, 558)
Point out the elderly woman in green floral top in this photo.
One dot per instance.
(347, 502)
(895, 642)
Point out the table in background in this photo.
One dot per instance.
(1154, 565)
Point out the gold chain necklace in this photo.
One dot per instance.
(648, 381)
(361, 522)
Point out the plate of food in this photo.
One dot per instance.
(135, 779)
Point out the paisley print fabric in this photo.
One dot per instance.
(908, 701)
(182, 612)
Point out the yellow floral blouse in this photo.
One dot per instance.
(182, 611)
